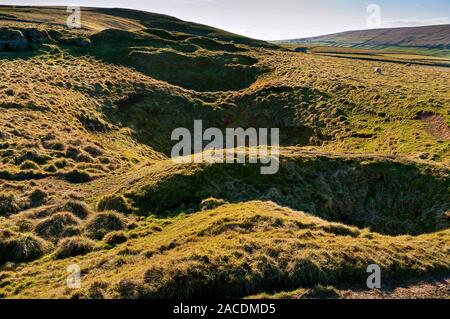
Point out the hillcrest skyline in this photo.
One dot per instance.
(284, 19)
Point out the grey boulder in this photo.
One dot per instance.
(12, 39)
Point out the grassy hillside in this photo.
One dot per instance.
(86, 178)
(232, 251)
(427, 39)
(99, 19)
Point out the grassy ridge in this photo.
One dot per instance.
(234, 250)
(386, 196)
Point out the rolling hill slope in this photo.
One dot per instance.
(86, 176)
(435, 37)
(98, 19)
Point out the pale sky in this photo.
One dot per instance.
(280, 19)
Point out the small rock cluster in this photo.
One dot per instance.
(21, 40)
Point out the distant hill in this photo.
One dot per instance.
(99, 19)
(431, 37)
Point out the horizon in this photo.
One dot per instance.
(284, 20)
(353, 30)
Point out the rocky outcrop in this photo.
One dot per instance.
(36, 36)
(21, 39)
(12, 40)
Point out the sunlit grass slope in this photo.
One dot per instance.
(232, 251)
(85, 174)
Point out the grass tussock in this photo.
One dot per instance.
(38, 197)
(8, 204)
(211, 203)
(58, 226)
(78, 177)
(74, 246)
(78, 208)
(23, 248)
(104, 223)
(114, 202)
(115, 238)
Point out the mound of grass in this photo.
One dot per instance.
(211, 203)
(250, 248)
(55, 145)
(103, 223)
(38, 197)
(95, 290)
(78, 155)
(114, 202)
(24, 225)
(130, 289)
(115, 238)
(23, 248)
(78, 208)
(74, 246)
(29, 165)
(28, 157)
(93, 150)
(78, 177)
(58, 226)
(386, 196)
(264, 258)
(245, 249)
(8, 204)
(214, 45)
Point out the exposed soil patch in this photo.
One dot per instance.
(436, 125)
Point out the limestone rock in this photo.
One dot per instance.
(12, 40)
(36, 36)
